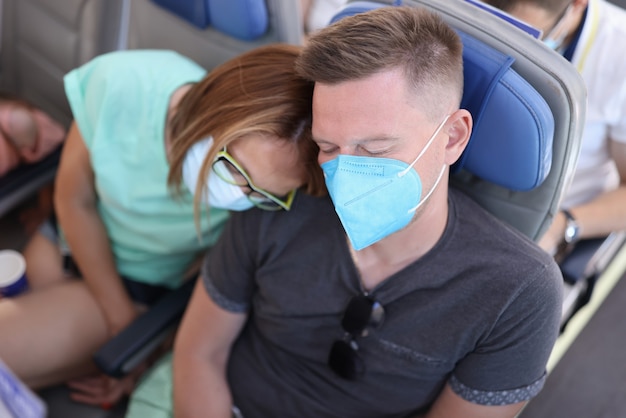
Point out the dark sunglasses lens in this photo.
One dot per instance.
(362, 312)
(344, 360)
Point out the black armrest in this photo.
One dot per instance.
(582, 268)
(591, 257)
(22, 182)
(144, 335)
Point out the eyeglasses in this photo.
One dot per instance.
(231, 172)
(362, 313)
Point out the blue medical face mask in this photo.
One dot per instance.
(218, 193)
(375, 197)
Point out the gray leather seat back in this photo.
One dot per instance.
(153, 26)
(44, 39)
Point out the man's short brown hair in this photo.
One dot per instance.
(428, 51)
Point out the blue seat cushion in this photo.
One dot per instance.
(243, 19)
(511, 142)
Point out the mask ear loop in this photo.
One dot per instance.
(430, 141)
(558, 25)
(432, 189)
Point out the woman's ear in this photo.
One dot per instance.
(459, 130)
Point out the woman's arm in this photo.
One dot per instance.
(201, 353)
(75, 204)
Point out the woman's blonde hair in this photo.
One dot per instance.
(257, 93)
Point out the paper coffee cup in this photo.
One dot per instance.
(12, 273)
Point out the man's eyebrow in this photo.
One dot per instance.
(320, 140)
(367, 140)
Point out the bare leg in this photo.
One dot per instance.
(43, 262)
(52, 333)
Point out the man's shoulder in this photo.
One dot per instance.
(495, 255)
(474, 224)
(466, 210)
(306, 210)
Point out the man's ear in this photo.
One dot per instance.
(459, 130)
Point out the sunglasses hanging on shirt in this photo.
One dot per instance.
(362, 314)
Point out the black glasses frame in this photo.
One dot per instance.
(259, 197)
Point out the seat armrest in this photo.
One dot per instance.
(583, 266)
(24, 181)
(590, 257)
(144, 335)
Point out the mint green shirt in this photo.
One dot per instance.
(119, 101)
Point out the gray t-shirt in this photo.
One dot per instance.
(480, 310)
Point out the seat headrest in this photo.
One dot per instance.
(511, 142)
(242, 19)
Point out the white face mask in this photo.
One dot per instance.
(217, 192)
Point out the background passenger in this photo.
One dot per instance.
(144, 121)
(590, 34)
(422, 303)
(27, 134)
